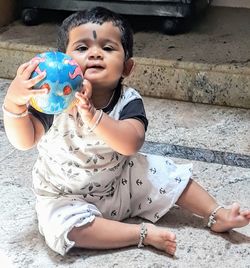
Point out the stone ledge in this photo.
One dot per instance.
(12, 55)
(187, 81)
(209, 64)
(226, 85)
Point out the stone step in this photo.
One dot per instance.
(209, 64)
(209, 133)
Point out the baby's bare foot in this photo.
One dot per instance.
(227, 219)
(160, 238)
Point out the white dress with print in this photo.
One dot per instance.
(78, 177)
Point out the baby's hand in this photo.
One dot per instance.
(84, 104)
(20, 90)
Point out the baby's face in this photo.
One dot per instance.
(99, 52)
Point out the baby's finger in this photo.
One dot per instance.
(29, 69)
(41, 91)
(83, 102)
(21, 68)
(78, 95)
(33, 81)
(83, 107)
(87, 88)
(81, 97)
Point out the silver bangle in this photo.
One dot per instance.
(143, 234)
(14, 115)
(211, 219)
(97, 121)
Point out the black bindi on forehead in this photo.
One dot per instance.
(94, 35)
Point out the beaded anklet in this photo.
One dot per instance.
(212, 219)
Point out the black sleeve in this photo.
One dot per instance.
(45, 119)
(135, 109)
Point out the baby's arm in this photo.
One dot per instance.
(23, 132)
(124, 136)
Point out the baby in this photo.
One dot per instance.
(89, 175)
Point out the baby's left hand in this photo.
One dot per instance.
(84, 105)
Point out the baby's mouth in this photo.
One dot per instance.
(93, 70)
(95, 66)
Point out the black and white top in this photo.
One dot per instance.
(133, 109)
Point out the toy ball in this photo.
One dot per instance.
(63, 78)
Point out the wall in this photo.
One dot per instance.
(7, 11)
(231, 3)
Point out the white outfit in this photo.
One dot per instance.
(78, 177)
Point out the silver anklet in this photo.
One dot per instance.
(143, 234)
(211, 219)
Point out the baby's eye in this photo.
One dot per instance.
(82, 48)
(108, 48)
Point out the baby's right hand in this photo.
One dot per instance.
(21, 88)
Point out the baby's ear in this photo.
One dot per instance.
(128, 67)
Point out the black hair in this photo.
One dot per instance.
(98, 15)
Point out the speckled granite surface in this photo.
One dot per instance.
(197, 131)
(193, 131)
(173, 122)
(183, 124)
(22, 246)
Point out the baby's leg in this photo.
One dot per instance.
(109, 234)
(198, 201)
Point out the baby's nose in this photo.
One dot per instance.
(95, 53)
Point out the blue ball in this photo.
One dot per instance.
(63, 78)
